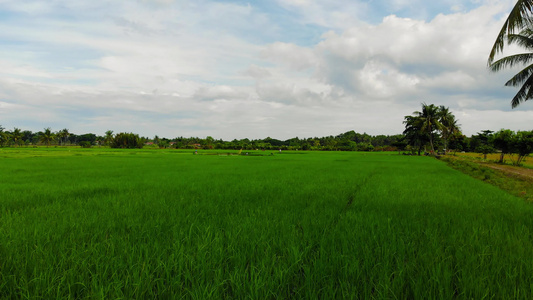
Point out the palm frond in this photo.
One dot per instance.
(518, 17)
(525, 93)
(521, 39)
(521, 77)
(511, 61)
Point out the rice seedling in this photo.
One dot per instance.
(98, 223)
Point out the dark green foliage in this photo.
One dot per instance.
(503, 141)
(506, 141)
(4, 136)
(91, 137)
(364, 147)
(483, 143)
(85, 144)
(47, 136)
(426, 127)
(126, 140)
(485, 149)
(523, 144)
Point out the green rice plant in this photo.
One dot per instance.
(103, 223)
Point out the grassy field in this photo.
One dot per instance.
(508, 158)
(106, 224)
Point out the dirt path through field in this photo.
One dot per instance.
(511, 170)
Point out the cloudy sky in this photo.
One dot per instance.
(237, 69)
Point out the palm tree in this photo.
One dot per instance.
(520, 19)
(108, 137)
(4, 136)
(16, 136)
(430, 122)
(47, 136)
(449, 124)
(422, 126)
(63, 135)
(413, 132)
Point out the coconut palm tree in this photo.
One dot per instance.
(108, 137)
(413, 132)
(16, 136)
(520, 19)
(449, 124)
(423, 126)
(63, 135)
(430, 122)
(47, 136)
(4, 136)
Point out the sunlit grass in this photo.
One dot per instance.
(159, 224)
(508, 158)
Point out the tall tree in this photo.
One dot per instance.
(449, 124)
(4, 136)
(108, 137)
(523, 145)
(503, 141)
(127, 140)
(47, 136)
(16, 136)
(413, 132)
(424, 126)
(483, 143)
(430, 122)
(63, 135)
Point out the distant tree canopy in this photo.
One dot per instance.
(517, 145)
(126, 140)
(348, 141)
(433, 125)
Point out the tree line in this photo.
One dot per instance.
(348, 141)
(434, 130)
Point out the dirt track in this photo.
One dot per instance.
(511, 170)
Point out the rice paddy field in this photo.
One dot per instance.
(159, 224)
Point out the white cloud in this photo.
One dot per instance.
(257, 72)
(232, 71)
(294, 57)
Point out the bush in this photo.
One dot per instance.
(365, 147)
(85, 144)
(126, 140)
